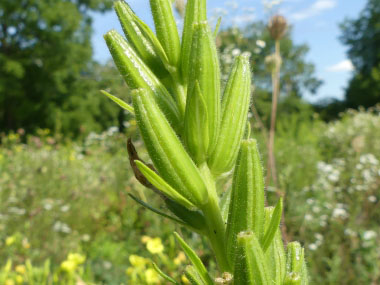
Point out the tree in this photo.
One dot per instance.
(45, 59)
(362, 36)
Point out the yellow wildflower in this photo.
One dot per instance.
(145, 239)
(10, 240)
(151, 276)
(25, 243)
(19, 279)
(69, 266)
(137, 261)
(185, 280)
(155, 245)
(76, 258)
(20, 269)
(129, 271)
(9, 282)
(181, 257)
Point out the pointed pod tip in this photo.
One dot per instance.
(244, 235)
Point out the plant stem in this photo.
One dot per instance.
(216, 227)
(272, 173)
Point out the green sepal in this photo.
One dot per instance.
(142, 39)
(216, 31)
(196, 135)
(224, 204)
(204, 70)
(195, 260)
(272, 227)
(292, 279)
(275, 254)
(138, 75)
(235, 107)
(193, 276)
(195, 13)
(163, 275)
(161, 185)
(166, 29)
(246, 212)
(120, 102)
(193, 219)
(166, 151)
(250, 265)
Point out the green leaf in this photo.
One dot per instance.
(250, 265)
(273, 226)
(204, 69)
(138, 75)
(198, 265)
(196, 135)
(163, 275)
(246, 212)
(195, 13)
(154, 210)
(120, 102)
(166, 151)
(217, 27)
(275, 254)
(166, 29)
(235, 107)
(161, 185)
(193, 276)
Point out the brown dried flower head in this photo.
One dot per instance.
(277, 27)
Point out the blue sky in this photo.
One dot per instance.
(315, 22)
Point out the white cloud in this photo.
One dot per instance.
(316, 8)
(343, 66)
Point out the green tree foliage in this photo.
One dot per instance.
(362, 36)
(297, 75)
(47, 77)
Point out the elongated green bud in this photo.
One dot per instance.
(250, 265)
(195, 13)
(295, 257)
(196, 125)
(137, 75)
(235, 107)
(142, 38)
(166, 151)
(273, 226)
(246, 212)
(166, 29)
(275, 254)
(193, 276)
(204, 69)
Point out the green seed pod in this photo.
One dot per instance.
(137, 75)
(204, 69)
(250, 265)
(275, 254)
(195, 13)
(295, 262)
(142, 39)
(196, 134)
(235, 107)
(246, 212)
(166, 29)
(166, 151)
(304, 274)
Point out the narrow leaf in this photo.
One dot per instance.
(246, 212)
(250, 265)
(161, 185)
(118, 101)
(142, 203)
(235, 107)
(273, 226)
(217, 27)
(163, 275)
(193, 276)
(200, 268)
(166, 151)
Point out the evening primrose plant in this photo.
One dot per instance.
(194, 135)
